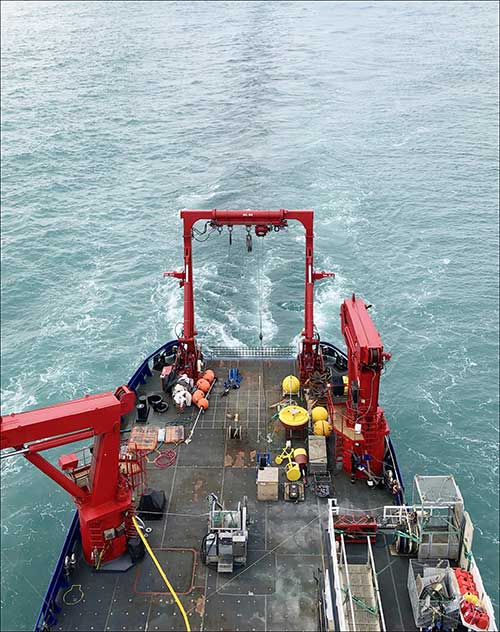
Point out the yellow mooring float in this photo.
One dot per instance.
(293, 417)
(322, 428)
(319, 413)
(290, 385)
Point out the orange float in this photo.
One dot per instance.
(197, 395)
(202, 403)
(209, 376)
(203, 385)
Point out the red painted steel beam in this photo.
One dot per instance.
(48, 444)
(57, 476)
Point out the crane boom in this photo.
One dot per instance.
(104, 498)
(365, 360)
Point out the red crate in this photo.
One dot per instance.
(355, 527)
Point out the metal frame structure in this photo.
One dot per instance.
(264, 221)
(440, 509)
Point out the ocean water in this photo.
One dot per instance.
(381, 116)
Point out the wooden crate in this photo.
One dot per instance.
(143, 438)
(268, 483)
(174, 434)
(317, 452)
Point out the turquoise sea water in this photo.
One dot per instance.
(382, 117)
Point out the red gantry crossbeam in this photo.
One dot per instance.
(263, 220)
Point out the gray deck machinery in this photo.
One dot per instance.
(225, 544)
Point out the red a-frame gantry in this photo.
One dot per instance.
(264, 221)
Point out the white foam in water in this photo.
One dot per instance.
(329, 294)
(269, 326)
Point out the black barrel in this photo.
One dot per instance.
(142, 409)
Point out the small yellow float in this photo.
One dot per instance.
(319, 413)
(322, 428)
(290, 385)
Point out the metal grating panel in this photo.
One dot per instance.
(250, 352)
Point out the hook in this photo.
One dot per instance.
(249, 240)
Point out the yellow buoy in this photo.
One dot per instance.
(319, 414)
(293, 416)
(291, 385)
(292, 471)
(322, 428)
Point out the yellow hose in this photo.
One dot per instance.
(162, 573)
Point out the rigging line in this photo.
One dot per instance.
(259, 288)
(262, 377)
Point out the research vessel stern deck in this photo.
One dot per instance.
(278, 587)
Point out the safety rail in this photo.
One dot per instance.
(375, 585)
(343, 555)
(393, 515)
(250, 352)
(335, 566)
(340, 563)
(399, 477)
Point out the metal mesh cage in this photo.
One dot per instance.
(436, 491)
(440, 511)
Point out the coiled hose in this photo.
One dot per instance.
(162, 573)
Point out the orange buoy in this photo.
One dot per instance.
(197, 395)
(209, 376)
(203, 385)
(202, 403)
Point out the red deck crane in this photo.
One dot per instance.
(103, 496)
(365, 428)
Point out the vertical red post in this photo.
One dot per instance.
(189, 331)
(309, 287)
